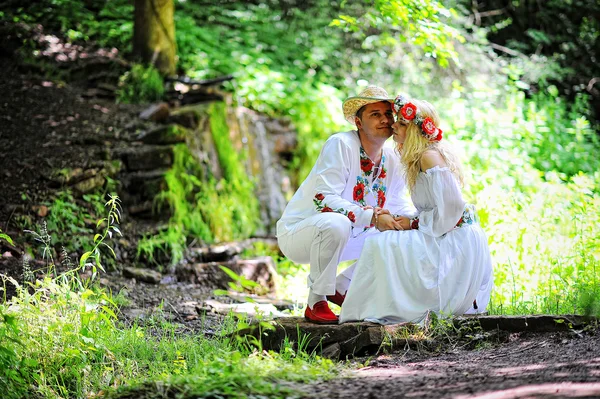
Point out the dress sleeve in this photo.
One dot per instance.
(399, 203)
(448, 203)
(333, 169)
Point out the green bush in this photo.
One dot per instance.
(141, 84)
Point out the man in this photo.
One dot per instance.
(354, 179)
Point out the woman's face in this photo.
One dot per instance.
(399, 128)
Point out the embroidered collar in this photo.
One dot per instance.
(377, 188)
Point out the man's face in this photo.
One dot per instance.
(376, 120)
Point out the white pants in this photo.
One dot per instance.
(323, 241)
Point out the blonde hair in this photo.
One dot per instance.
(416, 144)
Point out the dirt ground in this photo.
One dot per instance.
(516, 365)
(45, 126)
(552, 365)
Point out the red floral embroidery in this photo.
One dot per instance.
(320, 197)
(380, 199)
(414, 224)
(366, 164)
(409, 111)
(428, 126)
(383, 174)
(359, 192)
(351, 217)
(327, 209)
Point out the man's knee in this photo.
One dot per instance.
(336, 226)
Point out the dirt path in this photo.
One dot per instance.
(522, 365)
(557, 365)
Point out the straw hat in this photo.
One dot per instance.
(371, 94)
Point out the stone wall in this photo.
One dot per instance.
(264, 145)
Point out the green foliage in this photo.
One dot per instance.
(5, 237)
(202, 207)
(390, 22)
(59, 338)
(70, 221)
(110, 24)
(536, 186)
(239, 283)
(558, 47)
(140, 85)
(59, 314)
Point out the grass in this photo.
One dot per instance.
(60, 337)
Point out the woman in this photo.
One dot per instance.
(440, 259)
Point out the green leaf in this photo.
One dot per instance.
(6, 237)
(84, 257)
(234, 276)
(110, 249)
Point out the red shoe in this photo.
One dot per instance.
(320, 314)
(338, 298)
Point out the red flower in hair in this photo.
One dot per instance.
(327, 209)
(409, 111)
(366, 164)
(428, 126)
(359, 192)
(320, 197)
(439, 136)
(351, 217)
(380, 199)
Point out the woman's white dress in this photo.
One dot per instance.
(439, 267)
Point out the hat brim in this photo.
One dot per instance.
(352, 104)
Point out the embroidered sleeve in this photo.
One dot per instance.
(333, 173)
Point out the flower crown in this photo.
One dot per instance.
(409, 112)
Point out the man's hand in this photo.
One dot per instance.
(385, 221)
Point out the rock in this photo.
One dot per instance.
(280, 304)
(148, 157)
(344, 340)
(333, 351)
(286, 143)
(538, 323)
(261, 271)
(187, 118)
(156, 112)
(112, 168)
(217, 253)
(107, 87)
(145, 275)
(72, 176)
(145, 185)
(40, 210)
(98, 93)
(170, 134)
(247, 308)
(89, 185)
(144, 208)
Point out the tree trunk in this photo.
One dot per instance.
(154, 34)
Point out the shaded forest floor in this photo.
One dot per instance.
(503, 365)
(520, 365)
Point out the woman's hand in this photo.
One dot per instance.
(403, 221)
(385, 221)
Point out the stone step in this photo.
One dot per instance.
(340, 341)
